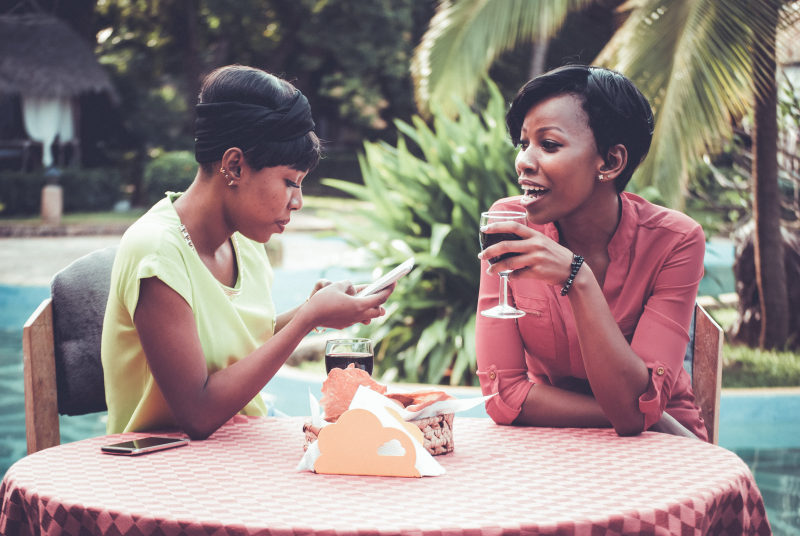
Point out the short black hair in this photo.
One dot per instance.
(249, 85)
(617, 110)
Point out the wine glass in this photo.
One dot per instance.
(339, 353)
(502, 309)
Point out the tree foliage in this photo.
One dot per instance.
(355, 82)
(465, 38)
(349, 58)
(693, 60)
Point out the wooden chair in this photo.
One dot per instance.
(62, 371)
(703, 362)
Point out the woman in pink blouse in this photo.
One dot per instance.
(607, 280)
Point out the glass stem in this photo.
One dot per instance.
(504, 277)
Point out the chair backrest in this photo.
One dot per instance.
(61, 348)
(703, 362)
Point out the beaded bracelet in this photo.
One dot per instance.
(577, 261)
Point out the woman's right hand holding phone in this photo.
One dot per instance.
(336, 305)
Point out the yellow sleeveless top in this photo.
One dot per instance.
(231, 321)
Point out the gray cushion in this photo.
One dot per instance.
(80, 292)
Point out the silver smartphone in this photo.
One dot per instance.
(144, 445)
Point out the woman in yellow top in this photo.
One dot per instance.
(190, 335)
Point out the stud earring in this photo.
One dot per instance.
(225, 174)
(602, 178)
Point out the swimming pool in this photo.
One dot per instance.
(761, 426)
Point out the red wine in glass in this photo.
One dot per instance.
(490, 239)
(340, 353)
(360, 360)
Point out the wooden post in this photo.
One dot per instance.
(52, 204)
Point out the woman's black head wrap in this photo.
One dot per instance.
(222, 125)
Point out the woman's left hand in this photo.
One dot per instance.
(322, 283)
(537, 256)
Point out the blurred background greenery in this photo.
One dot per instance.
(409, 97)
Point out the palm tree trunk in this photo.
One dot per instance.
(539, 55)
(769, 254)
(184, 15)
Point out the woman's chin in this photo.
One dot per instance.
(261, 237)
(536, 215)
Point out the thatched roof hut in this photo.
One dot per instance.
(46, 71)
(41, 56)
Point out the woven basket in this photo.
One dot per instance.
(437, 432)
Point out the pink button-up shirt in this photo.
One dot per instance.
(656, 263)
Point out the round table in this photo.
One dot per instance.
(499, 480)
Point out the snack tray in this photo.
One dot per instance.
(437, 432)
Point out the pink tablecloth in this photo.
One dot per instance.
(499, 480)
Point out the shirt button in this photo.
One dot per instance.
(492, 375)
(660, 371)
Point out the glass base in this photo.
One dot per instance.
(502, 311)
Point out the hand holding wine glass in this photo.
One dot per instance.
(503, 309)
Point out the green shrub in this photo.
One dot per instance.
(83, 190)
(21, 193)
(171, 171)
(752, 367)
(90, 190)
(428, 193)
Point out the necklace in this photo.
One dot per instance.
(230, 292)
(186, 236)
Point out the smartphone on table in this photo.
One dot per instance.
(143, 445)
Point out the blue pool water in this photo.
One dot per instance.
(718, 264)
(762, 427)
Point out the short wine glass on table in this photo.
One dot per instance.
(339, 353)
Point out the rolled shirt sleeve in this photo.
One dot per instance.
(661, 337)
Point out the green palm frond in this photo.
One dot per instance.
(697, 63)
(466, 36)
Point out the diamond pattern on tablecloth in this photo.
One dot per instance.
(499, 480)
